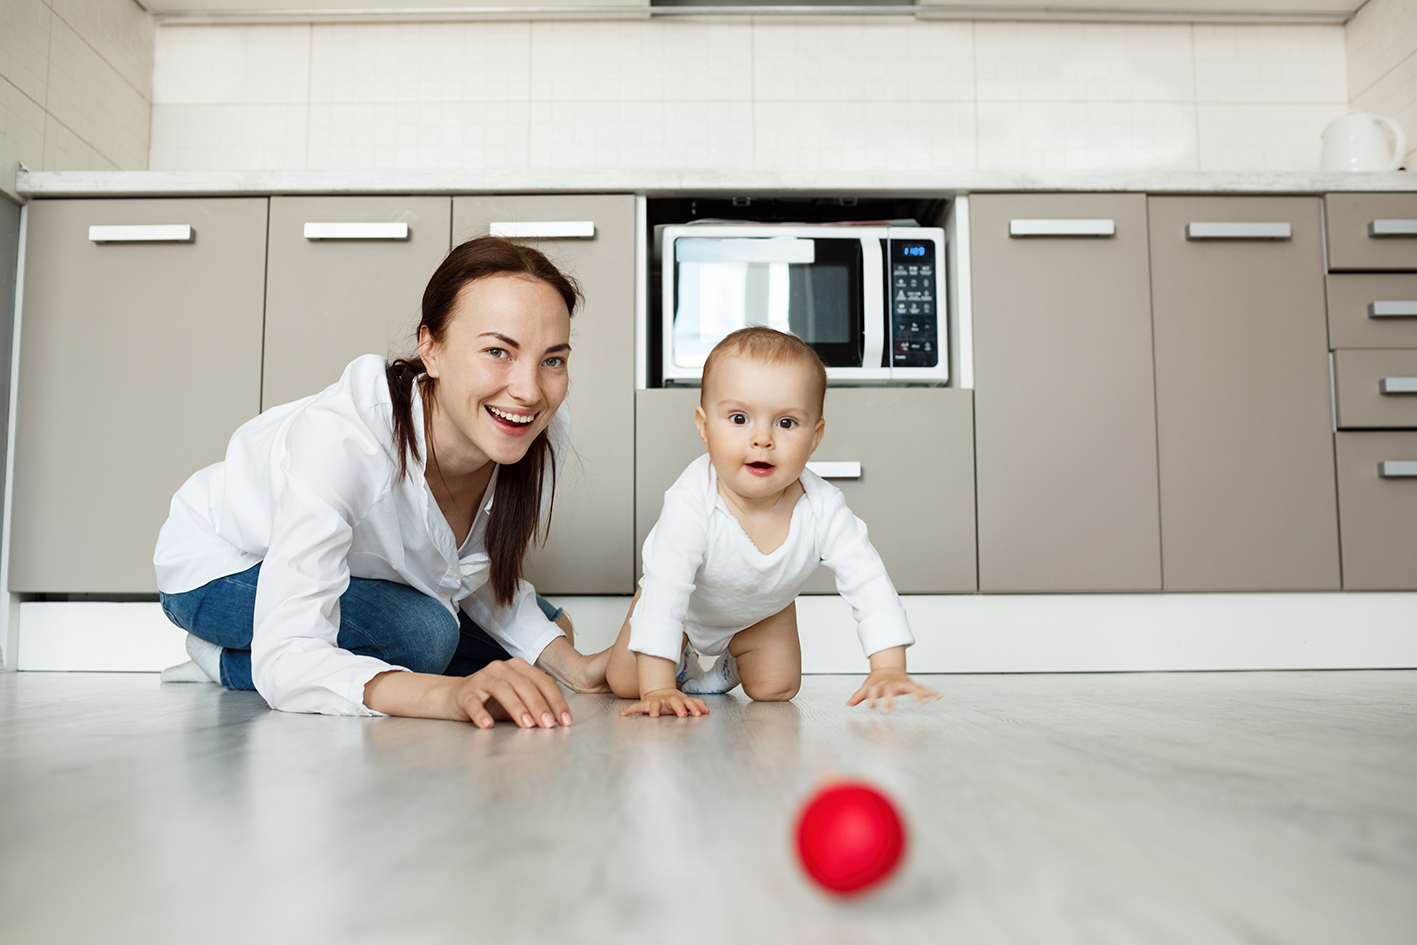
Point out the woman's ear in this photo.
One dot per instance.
(427, 351)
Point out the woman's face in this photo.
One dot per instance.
(501, 369)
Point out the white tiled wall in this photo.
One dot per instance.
(1382, 64)
(75, 85)
(748, 94)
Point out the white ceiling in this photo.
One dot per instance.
(1333, 11)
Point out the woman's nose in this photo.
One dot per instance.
(524, 384)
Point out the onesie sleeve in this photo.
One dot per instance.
(673, 554)
(333, 475)
(861, 576)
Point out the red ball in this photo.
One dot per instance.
(849, 837)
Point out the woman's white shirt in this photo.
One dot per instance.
(311, 491)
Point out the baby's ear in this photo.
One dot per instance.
(819, 433)
(700, 420)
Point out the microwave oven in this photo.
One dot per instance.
(868, 298)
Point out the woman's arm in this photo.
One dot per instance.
(512, 688)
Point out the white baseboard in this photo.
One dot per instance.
(967, 633)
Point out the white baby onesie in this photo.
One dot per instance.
(704, 576)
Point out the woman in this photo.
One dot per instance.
(357, 545)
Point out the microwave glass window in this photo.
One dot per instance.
(809, 287)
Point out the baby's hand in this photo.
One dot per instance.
(887, 684)
(664, 701)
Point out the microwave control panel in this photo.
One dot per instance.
(914, 308)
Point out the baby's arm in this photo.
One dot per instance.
(658, 693)
(889, 679)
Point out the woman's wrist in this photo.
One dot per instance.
(419, 695)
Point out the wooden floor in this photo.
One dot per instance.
(1148, 808)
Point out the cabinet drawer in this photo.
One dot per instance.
(1355, 225)
(1376, 389)
(1372, 311)
(1377, 514)
(916, 487)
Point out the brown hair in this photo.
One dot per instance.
(768, 345)
(516, 506)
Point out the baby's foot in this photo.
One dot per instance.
(689, 666)
(721, 677)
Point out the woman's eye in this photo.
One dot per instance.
(787, 423)
(737, 418)
(554, 362)
(497, 352)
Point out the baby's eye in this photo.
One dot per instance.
(737, 418)
(787, 423)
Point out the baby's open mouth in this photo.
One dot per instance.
(515, 419)
(761, 466)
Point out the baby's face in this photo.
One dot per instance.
(760, 424)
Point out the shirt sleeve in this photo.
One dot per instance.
(520, 627)
(861, 578)
(332, 477)
(673, 554)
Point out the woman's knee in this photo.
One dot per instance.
(411, 630)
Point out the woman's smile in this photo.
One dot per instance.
(510, 422)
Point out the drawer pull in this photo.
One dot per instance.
(1398, 385)
(545, 230)
(1392, 228)
(356, 231)
(1019, 228)
(150, 233)
(1392, 309)
(835, 470)
(1238, 231)
(1397, 468)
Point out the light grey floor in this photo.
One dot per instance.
(1149, 808)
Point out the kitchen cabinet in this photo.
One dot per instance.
(1064, 405)
(590, 549)
(1376, 389)
(915, 491)
(139, 357)
(345, 277)
(1371, 231)
(1372, 310)
(1377, 498)
(1244, 423)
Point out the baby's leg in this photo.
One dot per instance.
(623, 673)
(769, 657)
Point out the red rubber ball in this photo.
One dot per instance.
(849, 837)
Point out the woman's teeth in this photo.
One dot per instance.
(511, 417)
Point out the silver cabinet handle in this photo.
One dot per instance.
(1238, 231)
(1392, 228)
(1398, 385)
(1392, 309)
(835, 470)
(148, 233)
(545, 230)
(356, 231)
(1397, 468)
(1019, 228)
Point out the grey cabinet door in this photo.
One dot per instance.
(1363, 310)
(1375, 389)
(330, 300)
(138, 360)
(1244, 420)
(590, 548)
(915, 494)
(1378, 514)
(1352, 240)
(1063, 406)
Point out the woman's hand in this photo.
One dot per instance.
(528, 696)
(576, 671)
(887, 683)
(664, 701)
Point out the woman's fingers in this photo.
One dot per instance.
(556, 708)
(528, 696)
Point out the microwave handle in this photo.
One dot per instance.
(873, 304)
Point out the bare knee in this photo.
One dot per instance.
(623, 676)
(772, 690)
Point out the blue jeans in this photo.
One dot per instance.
(388, 621)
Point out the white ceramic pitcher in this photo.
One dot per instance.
(1355, 142)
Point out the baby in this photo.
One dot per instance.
(741, 531)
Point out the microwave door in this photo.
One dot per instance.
(873, 313)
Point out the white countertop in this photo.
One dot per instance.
(660, 182)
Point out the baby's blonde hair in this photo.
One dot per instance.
(770, 346)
